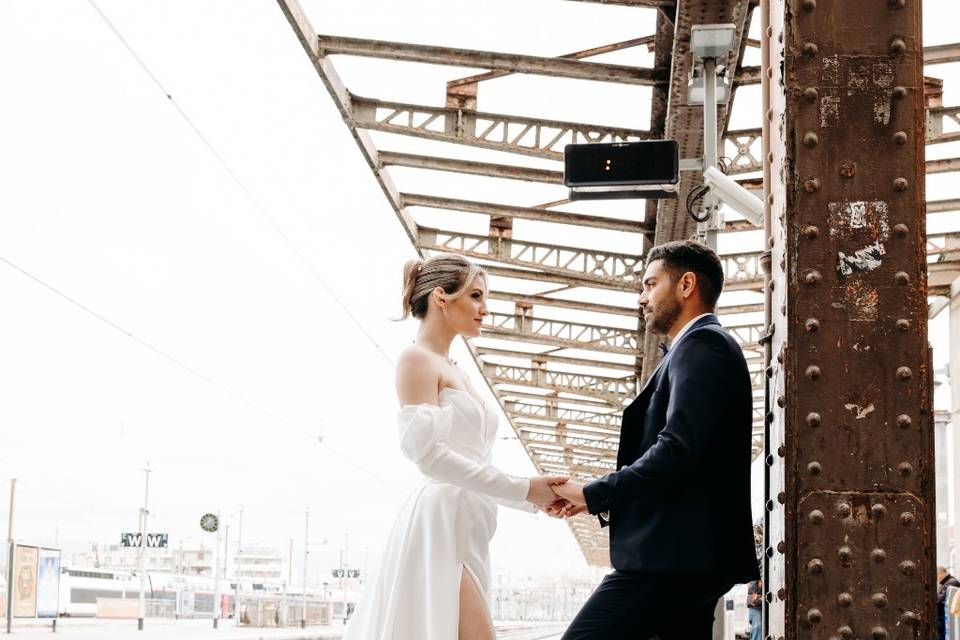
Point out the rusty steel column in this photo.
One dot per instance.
(850, 538)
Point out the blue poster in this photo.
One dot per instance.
(48, 583)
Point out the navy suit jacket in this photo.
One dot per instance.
(680, 501)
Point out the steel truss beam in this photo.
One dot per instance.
(470, 167)
(484, 352)
(616, 391)
(586, 264)
(742, 146)
(509, 395)
(610, 421)
(517, 134)
(575, 335)
(517, 63)
(525, 213)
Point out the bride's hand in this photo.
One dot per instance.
(541, 492)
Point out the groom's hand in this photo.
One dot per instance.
(541, 492)
(572, 492)
(557, 508)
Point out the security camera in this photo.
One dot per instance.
(727, 190)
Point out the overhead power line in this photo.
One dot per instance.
(236, 179)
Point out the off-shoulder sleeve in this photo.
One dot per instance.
(424, 429)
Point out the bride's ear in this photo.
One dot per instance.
(438, 297)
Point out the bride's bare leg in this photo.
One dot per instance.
(475, 623)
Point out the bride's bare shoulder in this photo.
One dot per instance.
(417, 376)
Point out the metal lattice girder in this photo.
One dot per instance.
(516, 134)
(585, 264)
(529, 300)
(742, 146)
(563, 443)
(616, 391)
(470, 167)
(936, 118)
(525, 213)
(485, 352)
(563, 462)
(509, 395)
(629, 312)
(565, 415)
(561, 333)
(557, 67)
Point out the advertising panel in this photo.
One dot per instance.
(48, 583)
(25, 560)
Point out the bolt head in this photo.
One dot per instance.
(878, 555)
(844, 599)
(813, 419)
(814, 469)
(810, 139)
(900, 184)
(815, 516)
(814, 616)
(900, 137)
(907, 518)
(904, 421)
(810, 49)
(897, 46)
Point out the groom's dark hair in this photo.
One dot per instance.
(682, 256)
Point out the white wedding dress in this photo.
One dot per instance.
(444, 526)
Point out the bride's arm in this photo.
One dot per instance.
(424, 429)
(425, 426)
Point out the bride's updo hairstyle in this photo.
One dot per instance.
(453, 273)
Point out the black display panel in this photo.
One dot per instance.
(621, 163)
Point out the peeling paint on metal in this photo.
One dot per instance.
(860, 412)
(829, 111)
(861, 301)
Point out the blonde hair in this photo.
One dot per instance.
(452, 273)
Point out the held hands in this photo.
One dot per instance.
(557, 496)
(570, 500)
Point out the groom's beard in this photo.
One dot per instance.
(664, 315)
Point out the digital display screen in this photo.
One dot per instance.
(621, 163)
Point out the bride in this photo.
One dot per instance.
(434, 579)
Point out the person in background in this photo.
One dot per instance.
(944, 580)
(755, 608)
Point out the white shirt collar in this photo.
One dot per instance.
(686, 328)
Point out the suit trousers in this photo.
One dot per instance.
(643, 606)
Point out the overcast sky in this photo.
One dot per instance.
(109, 196)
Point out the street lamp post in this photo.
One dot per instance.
(143, 544)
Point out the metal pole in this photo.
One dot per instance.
(238, 571)
(710, 147)
(216, 578)
(143, 544)
(13, 495)
(343, 567)
(306, 549)
(226, 554)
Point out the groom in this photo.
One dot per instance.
(678, 508)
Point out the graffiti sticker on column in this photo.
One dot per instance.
(864, 225)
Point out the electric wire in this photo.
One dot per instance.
(184, 366)
(236, 179)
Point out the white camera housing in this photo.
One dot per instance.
(727, 190)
